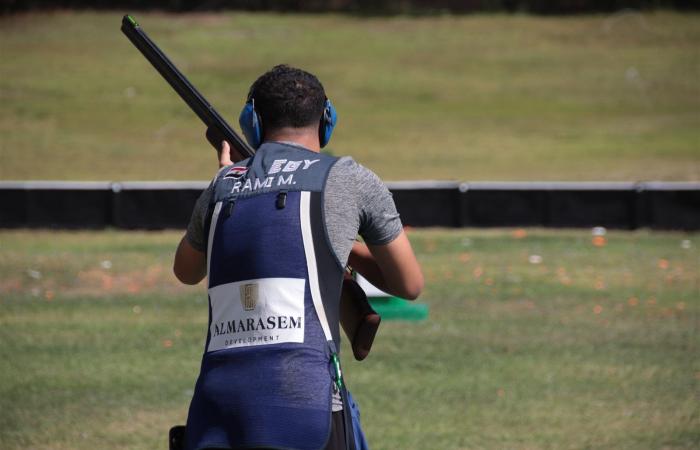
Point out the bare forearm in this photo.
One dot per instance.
(190, 266)
(362, 261)
(392, 267)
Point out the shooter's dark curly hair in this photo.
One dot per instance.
(288, 97)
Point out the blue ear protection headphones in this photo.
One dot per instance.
(252, 127)
(328, 120)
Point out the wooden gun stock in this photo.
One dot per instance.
(359, 321)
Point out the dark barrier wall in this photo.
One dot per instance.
(55, 205)
(158, 205)
(427, 203)
(612, 205)
(666, 207)
(154, 205)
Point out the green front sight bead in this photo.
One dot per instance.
(132, 20)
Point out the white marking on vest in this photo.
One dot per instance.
(262, 182)
(281, 180)
(256, 312)
(292, 166)
(284, 165)
(257, 183)
(276, 166)
(307, 237)
(212, 229)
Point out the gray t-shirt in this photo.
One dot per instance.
(355, 202)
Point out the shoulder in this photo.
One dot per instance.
(342, 179)
(350, 171)
(360, 187)
(353, 185)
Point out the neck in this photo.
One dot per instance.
(306, 137)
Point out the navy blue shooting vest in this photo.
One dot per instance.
(266, 378)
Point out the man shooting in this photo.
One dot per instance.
(274, 233)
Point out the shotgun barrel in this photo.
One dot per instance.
(217, 128)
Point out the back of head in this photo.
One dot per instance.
(288, 97)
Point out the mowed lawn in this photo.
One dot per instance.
(477, 97)
(536, 340)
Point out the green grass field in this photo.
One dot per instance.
(536, 339)
(482, 97)
(591, 345)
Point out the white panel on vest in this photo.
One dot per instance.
(257, 312)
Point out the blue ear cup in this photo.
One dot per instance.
(251, 124)
(328, 121)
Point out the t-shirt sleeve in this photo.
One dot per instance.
(195, 234)
(356, 201)
(380, 223)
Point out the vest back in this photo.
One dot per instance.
(273, 282)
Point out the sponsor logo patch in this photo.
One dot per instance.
(264, 311)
